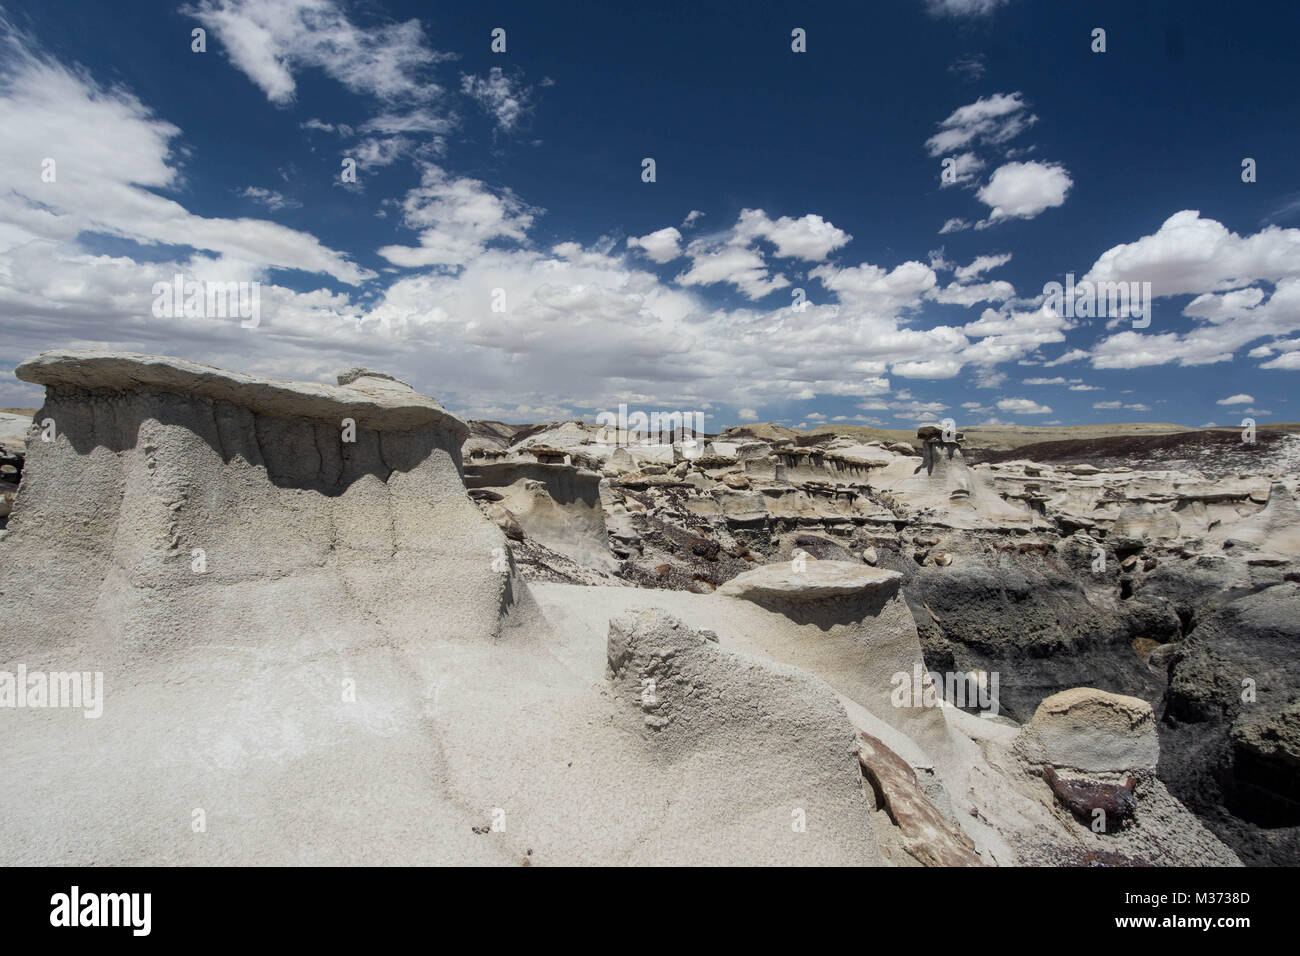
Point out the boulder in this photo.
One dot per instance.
(1095, 731)
(927, 835)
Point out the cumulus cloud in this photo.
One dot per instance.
(1226, 322)
(810, 237)
(938, 368)
(957, 294)
(584, 325)
(1189, 254)
(457, 217)
(1023, 190)
(739, 265)
(660, 246)
(1236, 400)
(872, 288)
(1289, 361)
(1007, 336)
(1131, 406)
(1023, 406)
(734, 257)
(954, 225)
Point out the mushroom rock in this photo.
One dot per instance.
(255, 569)
(952, 494)
(848, 623)
(1094, 731)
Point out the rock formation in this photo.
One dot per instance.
(334, 624)
(314, 649)
(1051, 575)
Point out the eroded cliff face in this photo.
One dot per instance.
(312, 647)
(255, 591)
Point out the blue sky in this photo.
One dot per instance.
(775, 171)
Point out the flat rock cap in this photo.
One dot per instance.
(373, 400)
(817, 580)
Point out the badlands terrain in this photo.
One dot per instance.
(337, 624)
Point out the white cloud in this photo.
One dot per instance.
(954, 225)
(1007, 336)
(1236, 400)
(918, 410)
(872, 288)
(691, 216)
(456, 218)
(1289, 362)
(1107, 404)
(111, 154)
(810, 237)
(269, 198)
(1023, 406)
(585, 326)
(660, 246)
(747, 415)
(1228, 322)
(964, 168)
(1023, 190)
(979, 265)
(504, 98)
(1073, 355)
(733, 256)
(991, 120)
(1191, 254)
(738, 265)
(957, 294)
(1044, 381)
(271, 40)
(930, 368)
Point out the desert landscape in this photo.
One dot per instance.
(353, 628)
(582, 435)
